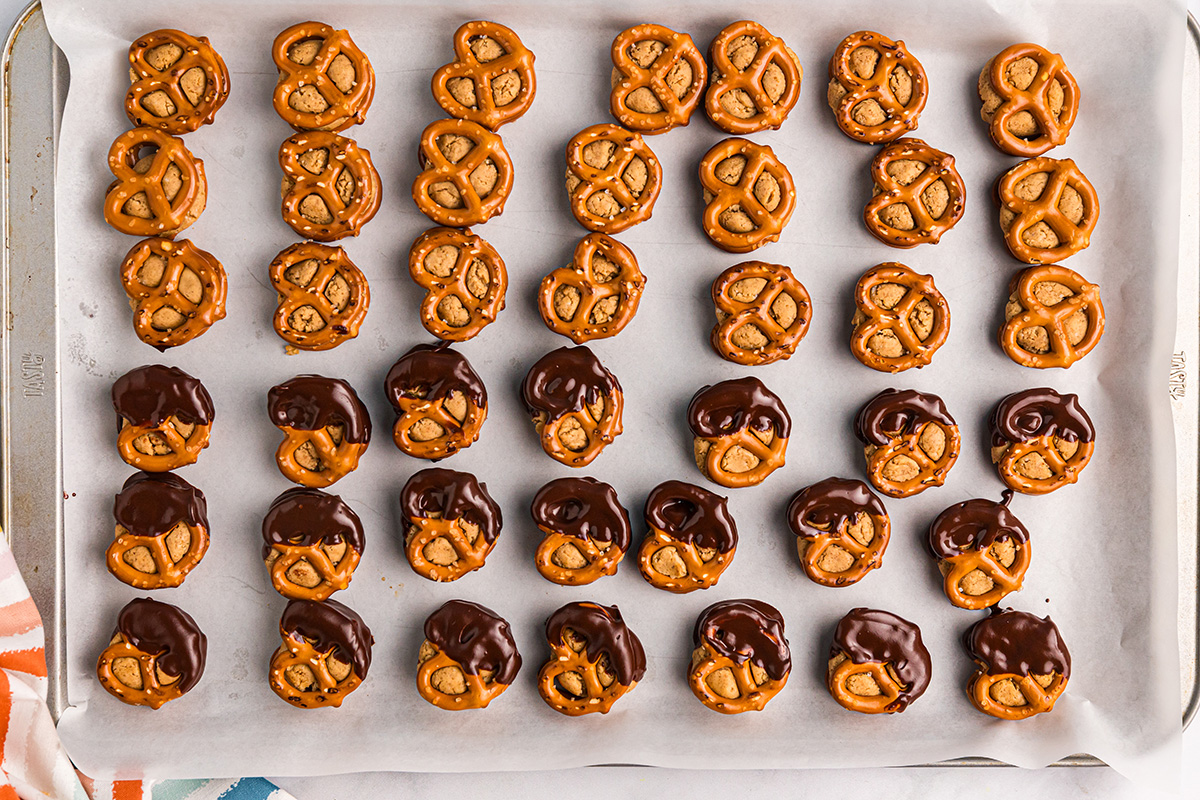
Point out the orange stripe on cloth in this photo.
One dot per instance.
(5, 710)
(7, 792)
(127, 790)
(19, 617)
(32, 661)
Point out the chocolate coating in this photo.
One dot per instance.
(867, 635)
(329, 625)
(566, 380)
(898, 412)
(1039, 412)
(168, 632)
(832, 502)
(433, 371)
(584, 508)
(606, 634)
(453, 495)
(476, 637)
(691, 515)
(312, 402)
(311, 518)
(746, 629)
(975, 525)
(735, 405)
(151, 504)
(1017, 643)
(151, 395)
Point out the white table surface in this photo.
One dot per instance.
(620, 782)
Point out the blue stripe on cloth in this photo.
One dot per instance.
(253, 789)
(243, 789)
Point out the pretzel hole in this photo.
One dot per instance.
(1008, 693)
(163, 56)
(463, 91)
(306, 319)
(568, 556)
(441, 260)
(486, 48)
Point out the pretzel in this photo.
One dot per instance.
(316, 563)
(1038, 698)
(740, 430)
(1005, 577)
(763, 312)
(885, 102)
(323, 296)
(464, 279)
(982, 550)
(156, 654)
(919, 195)
(742, 659)
(585, 529)
(691, 540)
(658, 78)
(906, 460)
(466, 174)
(1053, 317)
(1030, 100)
(312, 543)
(158, 194)
(1041, 440)
(325, 82)
(468, 657)
(440, 402)
(176, 289)
(182, 442)
(161, 531)
(324, 656)
(748, 195)
(613, 178)
(1046, 219)
(878, 663)
(326, 429)
(451, 523)
(164, 418)
(1022, 664)
(1063, 459)
(597, 295)
(575, 404)
(842, 531)
(755, 79)
(846, 670)
(330, 187)
(491, 80)
(595, 659)
(900, 319)
(179, 82)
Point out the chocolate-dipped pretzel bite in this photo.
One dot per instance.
(910, 441)
(762, 313)
(1053, 317)
(1041, 440)
(842, 531)
(179, 82)
(658, 78)
(440, 402)
(595, 659)
(878, 663)
(468, 657)
(312, 542)
(613, 178)
(691, 539)
(323, 296)
(325, 82)
(450, 523)
(1022, 664)
(164, 418)
(877, 89)
(575, 404)
(917, 197)
(982, 550)
(326, 429)
(596, 295)
(741, 659)
(755, 79)
(330, 188)
(466, 174)
(491, 80)
(900, 318)
(177, 291)
(156, 654)
(749, 195)
(741, 431)
(464, 279)
(1048, 210)
(159, 187)
(161, 532)
(586, 530)
(1030, 99)
(325, 654)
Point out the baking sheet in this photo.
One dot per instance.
(1105, 548)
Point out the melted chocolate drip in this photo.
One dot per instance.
(898, 412)
(168, 632)
(584, 508)
(975, 525)
(312, 402)
(151, 504)
(746, 629)
(477, 638)
(1039, 412)
(691, 515)
(150, 395)
(831, 503)
(311, 518)
(452, 495)
(329, 625)
(566, 380)
(1017, 643)
(606, 634)
(732, 406)
(866, 635)
(433, 372)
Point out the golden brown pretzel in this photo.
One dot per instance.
(169, 569)
(910, 441)
(1040, 440)
(1005, 578)
(886, 101)
(161, 531)
(1039, 698)
(889, 687)
(337, 457)
(1064, 460)
(741, 658)
(901, 318)
(468, 658)
(179, 81)
(466, 174)
(330, 187)
(930, 471)
(1048, 210)
(613, 178)
(762, 313)
(465, 282)
(595, 659)
(1053, 317)
(842, 531)
(749, 195)
(156, 654)
(597, 295)
(479, 84)
(157, 194)
(1030, 99)
(919, 195)
(324, 656)
(658, 78)
(470, 555)
(755, 79)
(331, 575)
(325, 82)
(326, 429)
(691, 538)
(312, 543)
(323, 296)
(440, 402)
(176, 289)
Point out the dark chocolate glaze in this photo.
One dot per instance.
(831, 503)
(476, 637)
(584, 508)
(329, 625)
(433, 372)
(898, 412)
(566, 380)
(1039, 412)
(606, 634)
(311, 518)
(151, 504)
(735, 405)
(312, 402)
(746, 629)
(691, 515)
(1011, 642)
(867, 635)
(453, 495)
(168, 632)
(975, 525)
(151, 395)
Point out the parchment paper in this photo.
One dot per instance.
(1104, 563)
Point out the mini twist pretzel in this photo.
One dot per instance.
(1063, 469)
(326, 429)
(1005, 579)
(440, 402)
(1046, 219)
(330, 576)
(597, 295)
(889, 688)
(337, 458)
(1022, 664)
(479, 84)
(751, 695)
(741, 658)
(323, 296)
(451, 522)
(156, 654)
(469, 184)
(901, 318)
(755, 81)
(599, 430)
(469, 555)
(909, 208)
(330, 187)
(182, 442)
(325, 81)
(312, 543)
(691, 538)
(176, 95)
(697, 571)
(585, 529)
(324, 656)
(468, 658)
(613, 178)
(910, 441)
(176, 289)
(154, 195)
(1054, 318)
(169, 570)
(465, 282)
(1038, 698)
(763, 312)
(161, 531)
(412, 410)
(1041, 440)
(658, 78)
(930, 471)
(878, 663)
(886, 102)
(164, 418)
(749, 195)
(478, 692)
(595, 659)
(575, 404)
(1030, 117)
(842, 531)
(982, 551)
(154, 688)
